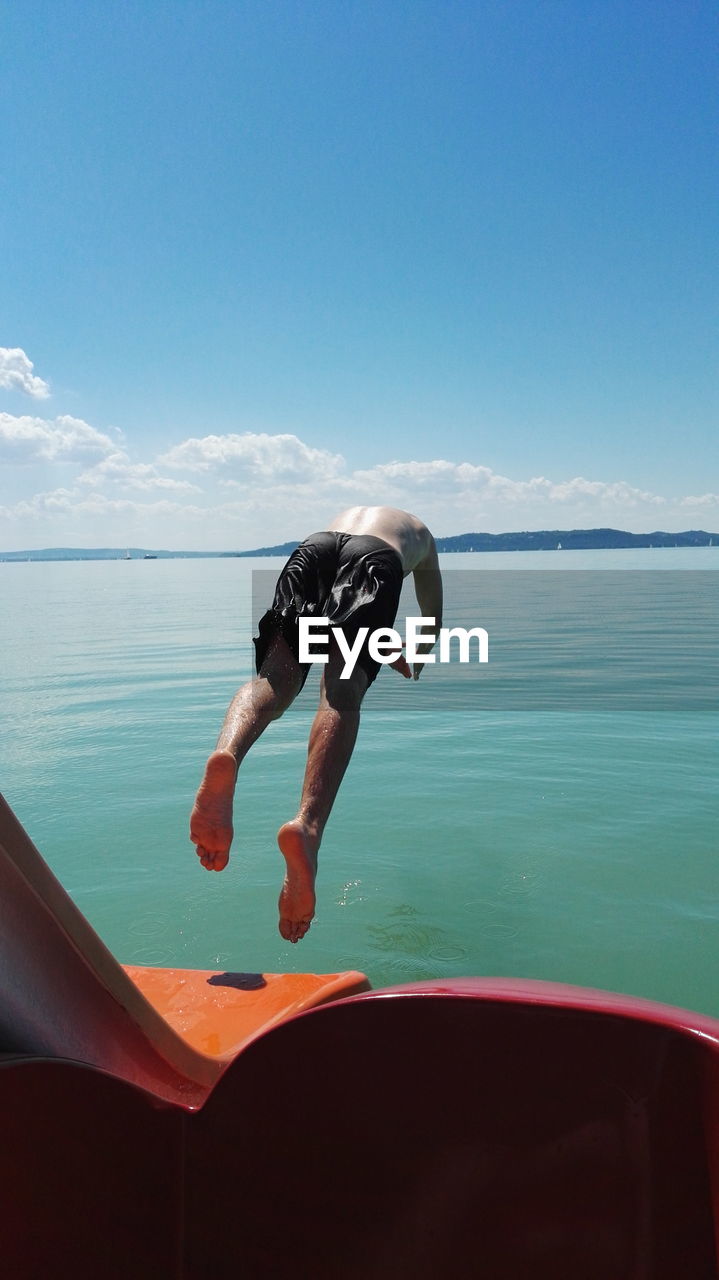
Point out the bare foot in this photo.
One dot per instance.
(211, 820)
(297, 899)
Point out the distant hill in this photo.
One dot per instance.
(284, 549)
(102, 553)
(137, 553)
(574, 540)
(543, 540)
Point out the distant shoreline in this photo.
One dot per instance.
(541, 540)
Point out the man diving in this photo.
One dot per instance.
(351, 574)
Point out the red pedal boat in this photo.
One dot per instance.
(180, 1124)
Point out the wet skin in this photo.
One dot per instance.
(332, 737)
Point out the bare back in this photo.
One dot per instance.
(403, 531)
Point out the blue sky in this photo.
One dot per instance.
(262, 260)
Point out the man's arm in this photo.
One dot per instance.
(428, 590)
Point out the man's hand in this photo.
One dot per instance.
(410, 673)
(401, 664)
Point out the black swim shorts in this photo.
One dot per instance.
(353, 580)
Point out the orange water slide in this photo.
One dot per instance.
(64, 995)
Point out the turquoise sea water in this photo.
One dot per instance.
(575, 844)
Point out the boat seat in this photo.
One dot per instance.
(416, 1133)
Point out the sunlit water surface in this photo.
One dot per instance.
(574, 845)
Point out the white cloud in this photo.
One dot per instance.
(57, 500)
(255, 457)
(16, 374)
(71, 502)
(261, 488)
(706, 500)
(117, 469)
(442, 478)
(258, 489)
(64, 439)
(617, 492)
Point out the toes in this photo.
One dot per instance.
(213, 859)
(293, 930)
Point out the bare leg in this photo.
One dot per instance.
(332, 739)
(253, 707)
